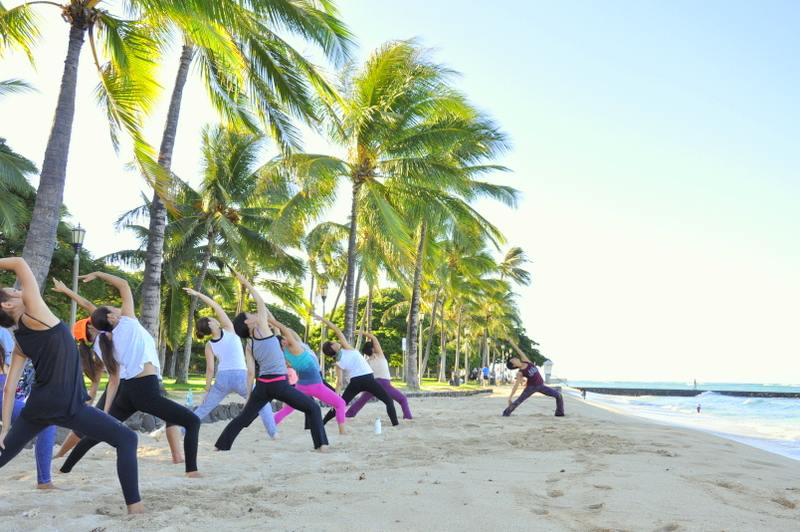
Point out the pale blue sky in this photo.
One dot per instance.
(655, 143)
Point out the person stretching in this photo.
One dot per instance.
(47, 438)
(58, 395)
(92, 362)
(305, 363)
(130, 356)
(361, 379)
(233, 375)
(380, 369)
(265, 348)
(535, 383)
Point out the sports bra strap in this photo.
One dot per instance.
(40, 321)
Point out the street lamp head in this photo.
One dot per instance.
(78, 234)
(323, 291)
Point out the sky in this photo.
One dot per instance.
(655, 146)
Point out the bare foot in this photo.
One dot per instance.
(322, 449)
(136, 508)
(342, 429)
(47, 486)
(194, 474)
(177, 459)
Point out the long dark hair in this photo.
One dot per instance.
(88, 361)
(368, 348)
(240, 327)
(202, 328)
(101, 323)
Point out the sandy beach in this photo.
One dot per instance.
(458, 466)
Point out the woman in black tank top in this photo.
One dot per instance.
(58, 395)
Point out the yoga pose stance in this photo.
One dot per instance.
(534, 384)
(272, 383)
(131, 359)
(361, 379)
(233, 375)
(93, 367)
(58, 395)
(380, 369)
(47, 438)
(309, 380)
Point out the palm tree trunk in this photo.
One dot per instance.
(183, 373)
(338, 296)
(173, 361)
(350, 288)
(431, 334)
(151, 282)
(242, 302)
(41, 239)
(442, 351)
(485, 348)
(458, 342)
(412, 376)
(366, 319)
(466, 363)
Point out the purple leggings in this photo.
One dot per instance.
(530, 390)
(393, 392)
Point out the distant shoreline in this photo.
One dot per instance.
(685, 393)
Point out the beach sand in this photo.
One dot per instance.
(458, 466)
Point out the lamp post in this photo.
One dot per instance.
(419, 347)
(323, 293)
(77, 234)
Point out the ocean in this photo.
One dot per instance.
(769, 423)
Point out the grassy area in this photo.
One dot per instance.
(197, 382)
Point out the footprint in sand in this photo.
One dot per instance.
(555, 493)
(664, 452)
(597, 506)
(672, 527)
(786, 503)
(601, 486)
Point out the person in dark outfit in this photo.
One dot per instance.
(529, 372)
(58, 395)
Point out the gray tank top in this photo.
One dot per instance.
(268, 355)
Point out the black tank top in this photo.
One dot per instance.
(58, 390)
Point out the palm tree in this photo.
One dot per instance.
(244, 59)
(124, 54)
(14, 169)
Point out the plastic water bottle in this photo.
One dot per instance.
(378, 426)
(189, 398)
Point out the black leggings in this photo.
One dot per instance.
(143, 395)
(96, 423)
(366, 383)
(263, 393)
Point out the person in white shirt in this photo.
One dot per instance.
(92, 362)
(130, 356)
(350, 361)
(380, 369)
(233, 375)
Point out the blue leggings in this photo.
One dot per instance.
(44, 441)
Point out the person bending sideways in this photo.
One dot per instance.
(361, 377)
(58, 396)
(534, 383)
(264, 348)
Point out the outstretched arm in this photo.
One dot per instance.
(376, 345)
(224, 321)
(82, 302)
(336, 330)
(34, 304)
(122, 287)
(517, 382)
(519, 351)
(289, 335)
(261, 307)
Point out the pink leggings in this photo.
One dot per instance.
(321, 392)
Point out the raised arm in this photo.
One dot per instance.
(336, 330)
(82, 302)
(122, 287)
(519, 351)
(261, 307)
(295, 347)
(34, 304)
(224, 321)
(376, 345)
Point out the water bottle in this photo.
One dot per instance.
(378, 426)
(189, 398)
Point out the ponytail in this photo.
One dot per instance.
(107, 348)
(88, 361)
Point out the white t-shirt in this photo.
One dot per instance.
(7, 341)
(228, 350)
(380, 367)
(133, 347)
(353, 363)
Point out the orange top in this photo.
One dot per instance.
(79, 330)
